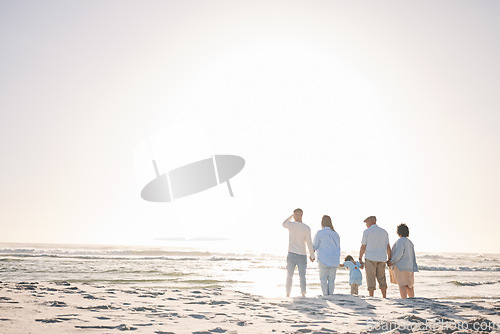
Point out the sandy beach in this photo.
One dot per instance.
(242, 166)
(62, 307)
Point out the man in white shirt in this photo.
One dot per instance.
(299, 237)
(375, 244)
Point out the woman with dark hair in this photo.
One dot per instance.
(327, 244)
(403, 263)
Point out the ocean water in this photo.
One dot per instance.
(441, 276)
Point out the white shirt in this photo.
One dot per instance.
(403, 255)
(327, 243)
(299, 236)
(376, 240)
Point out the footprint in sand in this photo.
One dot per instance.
(142, 309)
(304, 330)
(90, 297)
(48, 321)
(220, 302)
(121, 327)
(197, 316)
(56, 304)
(64, 283)
(58, 319)
(413, 318)
(215, 330)
(97, 308)
(7, 300)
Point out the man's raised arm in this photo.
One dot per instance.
(285, 223)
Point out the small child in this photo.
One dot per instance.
(355, 277)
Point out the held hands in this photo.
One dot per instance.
(389, 263)
(311, 258)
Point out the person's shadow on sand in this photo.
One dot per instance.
(322, 307)
(430, 305)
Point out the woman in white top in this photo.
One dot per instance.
(403, 263)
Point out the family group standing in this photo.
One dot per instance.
(375, 248)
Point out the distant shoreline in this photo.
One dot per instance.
(194, 240)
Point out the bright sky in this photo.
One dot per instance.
(349, 109)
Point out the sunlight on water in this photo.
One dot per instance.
(441, 275)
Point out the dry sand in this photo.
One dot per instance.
(31, 307)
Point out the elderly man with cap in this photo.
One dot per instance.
(375, 246)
